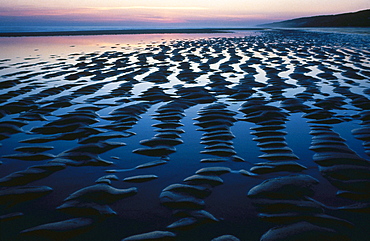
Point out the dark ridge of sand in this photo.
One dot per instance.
(119, 32)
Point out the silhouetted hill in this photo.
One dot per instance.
(356, 19)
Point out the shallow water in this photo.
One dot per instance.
(93, 77)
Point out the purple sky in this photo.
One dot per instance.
(165, 13)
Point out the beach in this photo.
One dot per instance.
(259, 134)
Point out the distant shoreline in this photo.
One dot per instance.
(353, 19)
(123, 32)
(350, 30)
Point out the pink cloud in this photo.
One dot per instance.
(135, 15)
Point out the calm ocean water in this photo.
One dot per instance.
(12, 29)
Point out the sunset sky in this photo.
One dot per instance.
(166, 13)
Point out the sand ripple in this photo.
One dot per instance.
(263, 137)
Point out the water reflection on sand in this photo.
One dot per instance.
(248, 134)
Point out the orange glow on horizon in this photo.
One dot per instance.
(192, 12)
(150, 8)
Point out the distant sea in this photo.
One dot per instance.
(16, 29)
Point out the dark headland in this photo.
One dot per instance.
(355, 19)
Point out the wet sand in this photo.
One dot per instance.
(261, 137)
